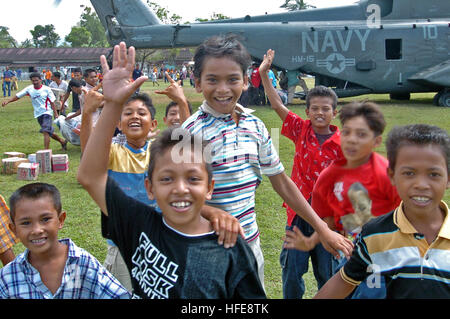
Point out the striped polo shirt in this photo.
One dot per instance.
(395, 249)
(240, 154)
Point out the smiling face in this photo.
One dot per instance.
(173, 116)
(358, 141)
(321, 113)
(92, 78)
(421, 178)
(136, 122)
(36, 224)
(180, 190)
(221, 82)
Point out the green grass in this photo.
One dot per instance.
(19, 132)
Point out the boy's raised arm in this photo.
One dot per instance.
(117, 88)
(175, 92)
(272, 94)
(93, 100)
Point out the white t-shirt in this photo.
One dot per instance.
(62, 86)
(40, 99)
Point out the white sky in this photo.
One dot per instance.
(22, 15)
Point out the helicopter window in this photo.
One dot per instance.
(393, 49)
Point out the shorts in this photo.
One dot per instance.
(46, 123)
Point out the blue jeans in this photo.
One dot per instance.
(6, 84)
(294, 264)
(363, 291)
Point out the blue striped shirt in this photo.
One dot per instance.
(83, 278)
(240, 154)
(390, 246)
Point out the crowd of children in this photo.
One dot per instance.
(178, 206)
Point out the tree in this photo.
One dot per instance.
(163, 14)
(79, 37)
(6, 40)
(293, 5)
(27, 43)
(90, 21)
(214, 16)
(45, 36)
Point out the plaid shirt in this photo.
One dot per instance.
(83, 278)
(7, 238)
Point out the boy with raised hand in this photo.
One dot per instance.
(241, 147)
(42, 100)
(50, 268)
(179, 109)
(127, 162)
(353, 189)
(410, 246)
(317, 144)
(176, 254)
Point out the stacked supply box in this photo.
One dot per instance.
(14, 154)
(32, 158)
(44, 159)
(28, 171)
(10, 164)
(60, 163)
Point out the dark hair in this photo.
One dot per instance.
(77, 70)
(57, 74)
(146, 99)
(369, 110)
(420, 135)
(171, 137)
(35, 75)
(35, 191)
(75, 83)
(218, 47)
(321, 91)
(172, 104)
(87, 71)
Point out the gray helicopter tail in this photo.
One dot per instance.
(115, 14)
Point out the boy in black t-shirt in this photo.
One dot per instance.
(176, 254)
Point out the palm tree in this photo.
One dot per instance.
(6, 40)
(293, 5)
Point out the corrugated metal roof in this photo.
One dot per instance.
(26, 57)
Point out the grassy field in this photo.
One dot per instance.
(19, 132)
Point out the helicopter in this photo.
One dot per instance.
(373, 46)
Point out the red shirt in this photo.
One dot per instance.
(256, 77)
(310, 157)
(330, 197)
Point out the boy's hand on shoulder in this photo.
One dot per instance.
(93, 99)
(267, 61)
(227, 228)
(174, 91)
(117, 84)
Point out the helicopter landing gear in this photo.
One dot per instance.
(444, 98)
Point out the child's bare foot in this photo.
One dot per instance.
(64, 145)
